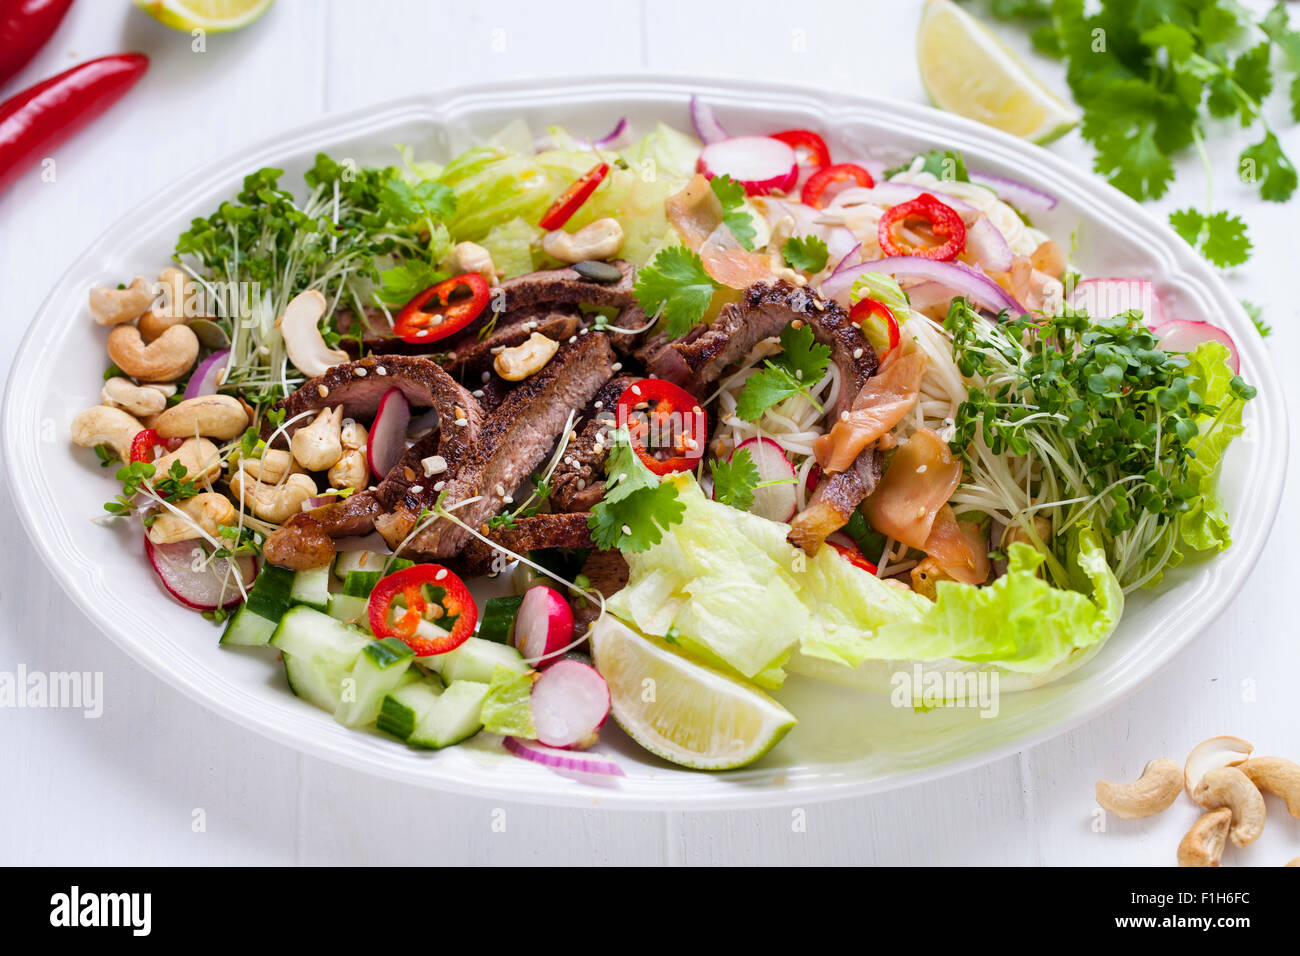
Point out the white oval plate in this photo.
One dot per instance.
(846, 743)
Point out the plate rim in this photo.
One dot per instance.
(1233, 567)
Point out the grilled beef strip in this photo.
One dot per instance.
(834, 501)
(468, 356)
(578, 481)
(512, 443)
(608, 572)
(534, 533)
(566, 287)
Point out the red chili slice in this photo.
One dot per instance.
(415, 325)
(854, 556)
(562, 209)
(409, 583)
(145, 444)
(828, 176)
(661, 418)
(865, 310)
(818, 152)
(944, 221)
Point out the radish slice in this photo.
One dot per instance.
(1024, 197)
(562, 759)
(775, 502)
(570, 701)
(206, 589)
(1180, 335)
(759, 163)
(387, 441)
(707, 127)
(988, 246)
(1104, 298)
(544, 623)
(204, 380)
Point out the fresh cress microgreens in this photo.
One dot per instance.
(637, 507)
(173, 485)
(808, 253)
(799, 365)
(734, 481)
(732, 196)
(675, 287)
(942, 164)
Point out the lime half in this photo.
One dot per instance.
(214, 16)
(966, 70)
(681, 710)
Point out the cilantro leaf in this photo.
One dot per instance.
(676, 287)
(1220, 237)
(808, 253)
(637, 506)
(734, 480)
(1266, 164)
(801, 363)
(944, 164)
(732, 196)
(1256, 314)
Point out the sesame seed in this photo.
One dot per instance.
(487, 376)
(462, 422)
(451, 356)
(442, 573)
(507, 500)
(500, 490)
(437, 320)
(616, 367)
(583, 331)
(322, 391)
(857, 353)
(600, 404)
(581, 483)
(416, 489)
(627, 530)
(797, 324)
(636, 389)
(844, 416)
(477, 393)
(422, 333)
(380, 370)
(572, 339)
(921, 469)
(359, 372)
(439, 486)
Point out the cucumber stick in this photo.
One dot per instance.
(312, 588)
(402, 708)
(379, 669)
(457, 716)
(319, 654)
(474, 661)
(498, 619)
(268, 599)
(350, 610)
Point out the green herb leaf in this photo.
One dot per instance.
(637, 506)
(732, 196)
(675, 287)
(734, 480)
(808, 253)
(801, 364)
(1220, 237)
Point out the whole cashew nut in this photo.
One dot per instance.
(471, 257)
(171, 310)
(115, 306)
(1277, 776)
(596, 240)
(205, 512)
(1204, 842)
(140, 400)
(1210, 755)
(276, 503)
(106, 425)
(300, 327)
(1229, 787)
(201, 459)
(1154, 791)
(318, 446)
(351, 470)
(272, 466)
(213, 416)
(165, 359)
(528, 358)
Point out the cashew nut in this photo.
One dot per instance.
(173, 284)
(1152, 792)
(351, 470)
(1229, 787)
(300, 326)
(471, 257)
(1204, 842)
(596, 240)
(318, 446)
(106, 425)
(276, 503)
(115, 306)
(141, 401)
(1212, 754)
(1277, 776)
(272, 466)
(205, 513)
(165, 359)
(213, 416)
(528, 358)
(200, 457)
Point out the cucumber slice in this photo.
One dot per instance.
(319, 653)
(379, 669)
(457, 715)
(360, 583)
(268, 599)
(312, 588)
(403, 707)
(368, 561)
(498, 619)
(350, 610)
(474, 661)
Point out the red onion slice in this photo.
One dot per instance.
(1024, 197)
(387, 442)
(958, 276)
(204, 379)
(573, 761)
(1182, 335)
(203, 590)
(570, 701)
(988, 246)
(707, 127)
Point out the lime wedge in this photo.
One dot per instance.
(214, 16)
(681, 710)
(966, 70)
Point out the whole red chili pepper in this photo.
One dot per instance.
(25, 27)
(38, 119)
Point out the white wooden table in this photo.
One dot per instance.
(157, 779)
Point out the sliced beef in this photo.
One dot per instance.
(512, 443)
(468, 356)
(632, 317)
(662, 358)
(566, 287)
(534, 533)
(834, 501)
(608, 572)
(578, 481)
